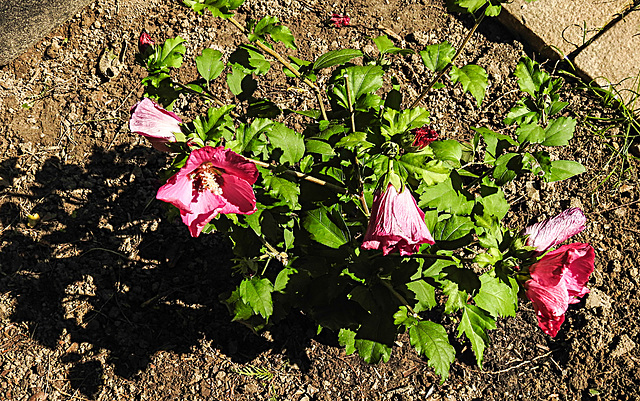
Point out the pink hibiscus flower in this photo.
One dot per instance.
(557, 280)
(213, 181)
(149, 119)
(551, 232)
(396, 223)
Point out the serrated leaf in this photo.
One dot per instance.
(425, 294)
(235, 79)
(172, 52)
(453, 228)
(282, 279)
(364, 80)
(256, 293)
(283, 34)
(437, 57)
(473, 78)
(336, 57)
(355, 139)
(530, 77)
(496, 297)
(289, 141)
(323, 230)
(493, 11)
(456, 298)
(563, 169)
(431, 340)
(448, 151)
(507, 167)
(493, 201)
(283, 189)
(559, 131)
(530, 132)
(237, 307)
(430, 171)
(209, 64)
(372, 351)
(347, 339)
(401, 317)
(319, 146)
(445, 198)
(398, 122)
(474, 324)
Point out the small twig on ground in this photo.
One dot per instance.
(615, 207)
(521, 364)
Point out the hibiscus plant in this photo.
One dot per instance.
(366, 220)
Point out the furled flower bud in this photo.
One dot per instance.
(340, 20)
(145, 43)
(149, 119)
(396, 223)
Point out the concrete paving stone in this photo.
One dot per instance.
(24, 22)
(614, 57)
(563, 24)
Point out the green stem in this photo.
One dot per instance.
(399, 296)
(206, 95)
(356, 163)
(287, 65)
(442, 72)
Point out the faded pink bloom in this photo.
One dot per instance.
(551, 232)
(340, 20)
(557, 280)
(145, 42)
(213, 181)
(396, 223)
(423, 136)
(159, 125)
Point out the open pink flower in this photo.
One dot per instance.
(396, 223)
(149, 119)
(213, 181)
(551, 232)
(557, 280)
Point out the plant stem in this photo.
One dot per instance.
(301, 175)
(287, 65)
(400, 297)
(356, 163)
(207, 95)
(441, 73)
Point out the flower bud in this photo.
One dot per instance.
(340, 20)
(145, 43)
(423, 136)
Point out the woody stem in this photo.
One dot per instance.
(287, 65)
(301, 175)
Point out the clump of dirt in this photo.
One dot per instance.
(103, 297)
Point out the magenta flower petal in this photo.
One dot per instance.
(557, 280)
(396, 224)
(551, 232)
(212, 181)
(159, 125)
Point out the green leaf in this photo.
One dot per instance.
(256, 293)
(530, 77)
(431, 340)
(283, 34)
(425, 294)
(247, 134)
(471, 5)
(563, 169)
(347, 339)
(171, 54)
(496, 297)
(283, 279)
(507, 167)
(324, 230)
(493, 201)
(319, 146)
(383, 43)
(290, 141)
(456, 298)
(530, 132)
(209, 64)
(372, 351)
(283, 189)
(398, 122)
(559, 131)
(473, 79)
(449, 151)
(453, 228)
(493, 11)
(430, 171)
(474, 324)
(235, 79)
(364, 80)
(237, 307)
(336, 57)
(401, 317)
(446, 198)
(356, 139)
(437, 57)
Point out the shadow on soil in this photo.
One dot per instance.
(80, 276)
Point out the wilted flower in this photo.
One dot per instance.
(340, 20)
(551, 232)
(557, 280)
(159, 125)
(423, 136)
(145, 42)
(396, 223)
(213, 181)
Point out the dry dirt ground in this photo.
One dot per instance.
(104, 298)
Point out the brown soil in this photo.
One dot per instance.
(105, 298)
